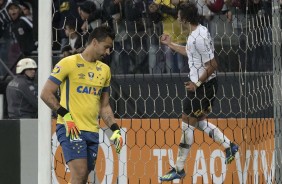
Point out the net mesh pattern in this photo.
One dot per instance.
(147, 92)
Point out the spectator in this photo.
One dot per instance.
(22, 28)
(136, 42)
(4, 16)
(4, 33)
(75, 42)
(66, 51)
(215, 13)
(90, 15)
(154, 29)
(112, 12)
(169, 9)
(245, 21)
(63, 10)
(21, 92)
(215, 6)
(27, 10)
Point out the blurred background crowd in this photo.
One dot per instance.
(241, 30)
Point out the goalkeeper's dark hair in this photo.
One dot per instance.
(189, 13)
(101, 33)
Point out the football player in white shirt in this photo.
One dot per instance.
(201, 89)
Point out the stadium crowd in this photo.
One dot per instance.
(241, 31)
(138, 25)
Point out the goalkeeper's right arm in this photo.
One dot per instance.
(48, 96)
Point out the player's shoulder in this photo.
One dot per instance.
(69, 60)
(203, 31)
(103, 66)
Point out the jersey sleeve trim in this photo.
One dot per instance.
(106, 89)
(55, 80)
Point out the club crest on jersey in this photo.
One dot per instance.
(56, 69)
(91, 75)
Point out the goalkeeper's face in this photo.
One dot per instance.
(103, 48)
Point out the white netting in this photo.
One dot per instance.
(147, 93)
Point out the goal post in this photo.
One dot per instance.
(277, 85)
(44, 69)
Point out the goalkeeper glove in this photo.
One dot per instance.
(71, 129)
(118, 141)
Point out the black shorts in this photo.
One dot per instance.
(199, 103)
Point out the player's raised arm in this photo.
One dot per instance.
(166, 39)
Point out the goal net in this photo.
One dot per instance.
(147, 91)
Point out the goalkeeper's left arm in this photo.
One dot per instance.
(108, 116)
(116, 137)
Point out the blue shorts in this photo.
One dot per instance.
(85, 147)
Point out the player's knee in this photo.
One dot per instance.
(192, 121)
(80, 176)
(79, 179)
(184, 117)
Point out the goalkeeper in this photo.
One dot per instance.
(84, 83)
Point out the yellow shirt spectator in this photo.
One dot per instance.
(171, 26)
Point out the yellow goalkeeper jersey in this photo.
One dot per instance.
(81, 85)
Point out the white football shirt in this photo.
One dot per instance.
(200, 49)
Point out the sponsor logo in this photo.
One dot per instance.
(80, 65)
(56, 69)
(75, 139)
(89, 90)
